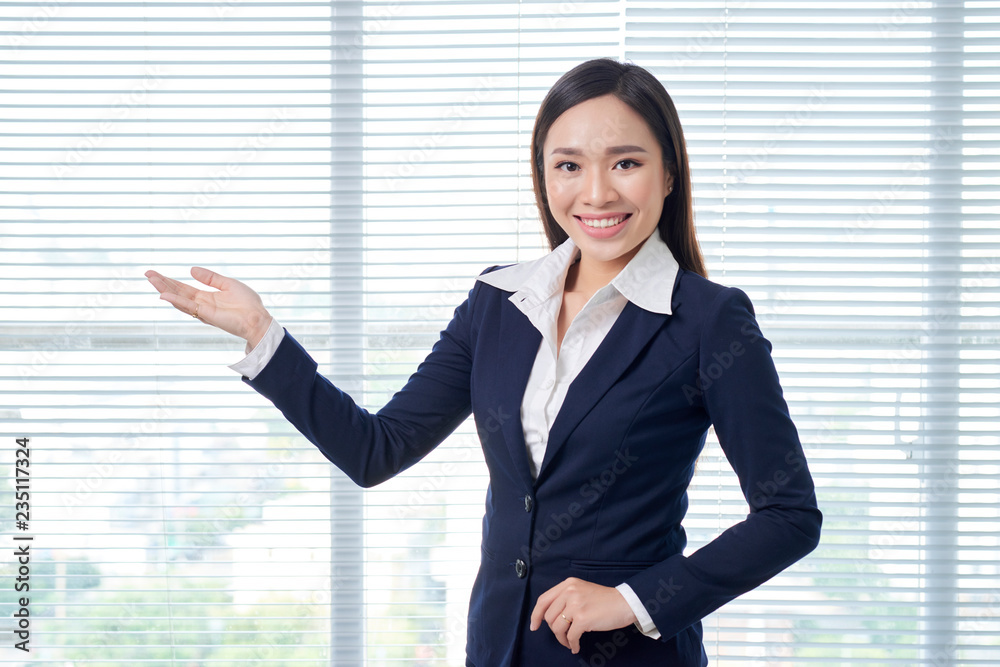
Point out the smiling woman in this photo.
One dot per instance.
(594, 355)
(607, 201)
(618, 100)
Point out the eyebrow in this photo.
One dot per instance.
(611, 150)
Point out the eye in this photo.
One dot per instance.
(630, 161)
(567, 164)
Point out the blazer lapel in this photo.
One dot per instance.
(628, 336)
(518, 346)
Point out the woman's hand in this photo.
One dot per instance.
(575, 606)
(234, 307)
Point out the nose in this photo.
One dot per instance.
(599, 188)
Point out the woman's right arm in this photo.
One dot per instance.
(369, 448)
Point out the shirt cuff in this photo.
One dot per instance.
(258, 357)
(644, 622)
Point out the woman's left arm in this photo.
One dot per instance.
(739, 389)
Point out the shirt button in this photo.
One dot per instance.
(527, 503)
(548, 384)
(521, 568)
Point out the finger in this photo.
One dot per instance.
(545, 600)
(573, 634)
(169, 285)
(157, 281)
(182, 304)
(559, 622)
(538, 614)
(210, 278)
(560, 626)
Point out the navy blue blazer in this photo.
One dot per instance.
(611, 492)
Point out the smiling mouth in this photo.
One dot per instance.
(602, 223)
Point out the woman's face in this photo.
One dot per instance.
(605, 181)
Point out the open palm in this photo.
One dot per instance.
(234, 307)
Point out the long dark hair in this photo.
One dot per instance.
(639, 89)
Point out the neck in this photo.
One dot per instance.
(589, 276)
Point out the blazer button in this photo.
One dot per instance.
(527, 503)
(521, 568)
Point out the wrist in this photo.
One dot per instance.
(261, 323)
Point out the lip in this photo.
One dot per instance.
(605, 232)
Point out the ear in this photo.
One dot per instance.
(668, 182)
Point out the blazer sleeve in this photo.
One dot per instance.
(371, 448)
(738, 387)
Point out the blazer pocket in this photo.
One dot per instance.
(617, 565)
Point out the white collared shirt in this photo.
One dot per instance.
(537, 286)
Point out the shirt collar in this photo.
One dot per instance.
(647, 280)
(536, 281)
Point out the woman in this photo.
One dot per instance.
(593, 375)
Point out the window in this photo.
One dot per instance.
(358, 164)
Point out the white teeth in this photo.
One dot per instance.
(606, 222)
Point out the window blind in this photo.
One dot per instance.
(845, 176)
(358, 163)
(175, 519)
